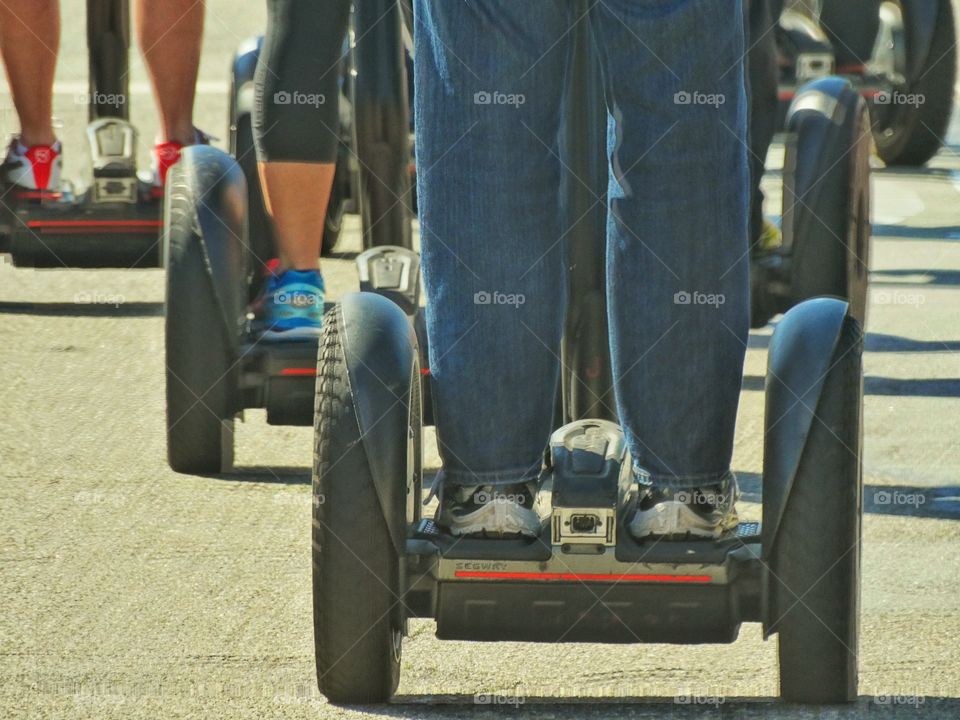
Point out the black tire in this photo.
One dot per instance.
(356, 571)
(911, 134)
(831, 214)
(201, 375)
(815, 562)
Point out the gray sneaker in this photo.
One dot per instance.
(490, 510)
(705, 512)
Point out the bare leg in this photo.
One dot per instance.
(29, 39)
(296, 195)
(170, 34)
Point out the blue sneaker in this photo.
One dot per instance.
(291, 305)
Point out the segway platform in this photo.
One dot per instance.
(114, 222)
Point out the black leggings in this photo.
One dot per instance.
(296, 113)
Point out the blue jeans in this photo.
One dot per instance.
(490, 76)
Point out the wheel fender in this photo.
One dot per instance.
(220, 204)
(921, 25)
(823, 123)
(380, 353)
(800, 356)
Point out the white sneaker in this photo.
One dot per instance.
(498, 510)
(706, 512)
(33, 168)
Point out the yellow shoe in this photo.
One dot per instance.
(770, 237)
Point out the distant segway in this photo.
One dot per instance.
(112, 218)
(899, 54)
(377, 563)
(372, 176)
(216, 245)
(826, 205)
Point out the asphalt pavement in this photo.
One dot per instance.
(129, 591)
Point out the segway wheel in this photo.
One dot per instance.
(356, 571)
(911, 133)
(200, 368)
(815, 563)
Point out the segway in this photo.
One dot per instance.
(215, 247)
(376, 562)
(372, 177)
(899, 54)
(826, 205)
(112, 218)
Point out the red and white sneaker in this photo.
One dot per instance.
(167, 154)
(35, 168)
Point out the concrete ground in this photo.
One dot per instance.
(130, 591)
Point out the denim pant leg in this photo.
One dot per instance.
(489, 81)
(677, 252)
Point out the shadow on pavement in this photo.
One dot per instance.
(658, 708)
(877, 342)
(930, 277)
(889, 387)
(943, 233)
(280, 474)
(940, 502)
(82, 309)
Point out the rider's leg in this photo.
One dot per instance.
(677, 260)
(29, 39)
(489, 83)
(170, 33)
(297, 122)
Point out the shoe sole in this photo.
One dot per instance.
(500, 520)
(675, 521)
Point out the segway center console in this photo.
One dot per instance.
(112, 218)
(217, 365)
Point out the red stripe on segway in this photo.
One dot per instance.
(582, 577)
(424, 371)
(298, 372)
(38, 195)
(94, 223)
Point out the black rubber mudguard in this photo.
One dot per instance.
(801, 351)
(826, 122)
(220, 205)
(380, 351)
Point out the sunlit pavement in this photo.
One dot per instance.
(130, 591)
